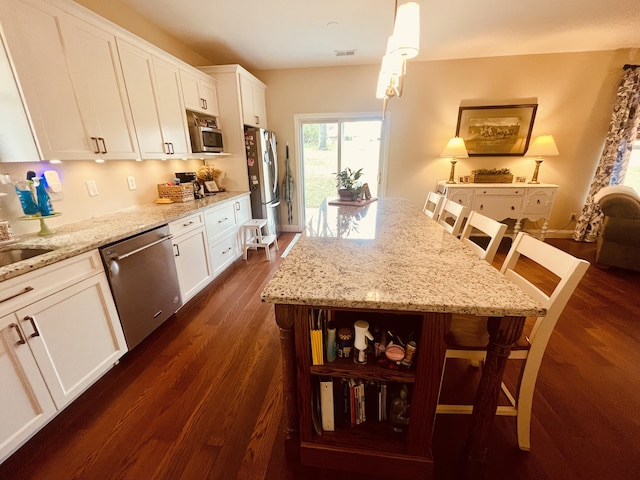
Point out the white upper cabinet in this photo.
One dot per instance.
(254, 110)
(16, 140)
(70, 76)
(199, 92)
(95, 70)
(153, 88)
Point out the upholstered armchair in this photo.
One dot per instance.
(619, 241)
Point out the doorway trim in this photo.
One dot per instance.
(300, 118)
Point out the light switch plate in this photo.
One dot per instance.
(92, 188)
(131, 181)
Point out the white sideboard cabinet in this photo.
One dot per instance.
(501, 201)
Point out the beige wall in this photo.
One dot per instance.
(574, 91)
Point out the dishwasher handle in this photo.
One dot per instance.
(138, 250)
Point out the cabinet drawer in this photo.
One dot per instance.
(499, 191)
(539, 201)
(17, 292)
(220, 220)
(223, 253)
(498, 207)
(463, 196)
(186, 224)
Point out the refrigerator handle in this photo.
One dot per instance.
(276, 179)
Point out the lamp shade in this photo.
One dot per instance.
(405, 40)
(543, 146)
(455, 148)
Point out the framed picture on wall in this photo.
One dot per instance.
(496, 130)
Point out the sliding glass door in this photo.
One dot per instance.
(331, 145)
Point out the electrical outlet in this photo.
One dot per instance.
(132, 182)
(573, 217)
(92, 188)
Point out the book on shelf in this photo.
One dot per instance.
(315, 330)
(326, 405)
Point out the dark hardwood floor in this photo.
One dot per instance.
(201, 398)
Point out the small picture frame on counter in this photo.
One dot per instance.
(210, 186)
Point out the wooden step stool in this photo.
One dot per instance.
(252, 237)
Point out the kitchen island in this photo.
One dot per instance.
(390, 264)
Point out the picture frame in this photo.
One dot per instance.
(496, 130)
(210, 186)
(366, 193)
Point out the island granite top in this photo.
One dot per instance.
(388, 255)
(78, 237)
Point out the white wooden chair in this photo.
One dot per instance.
(467, 337)
(489, 227)
(451, 216)
(433, 204)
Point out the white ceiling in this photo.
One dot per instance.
(274, 34)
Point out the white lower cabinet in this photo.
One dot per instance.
(54, 344)
(191, 255)
(25, 400)
(222, 224)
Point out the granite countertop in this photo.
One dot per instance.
(393, 258)
(75, 238)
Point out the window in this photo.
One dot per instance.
(329, 145)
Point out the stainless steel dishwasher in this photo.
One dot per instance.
(144, 282)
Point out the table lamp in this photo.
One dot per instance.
(455, 149)
(542, 146)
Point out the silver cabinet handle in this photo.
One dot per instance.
(30, 319)
(177, 250)
(26, 290)
(97, 147)
(22, 341)
(166, 148)
(188, 223)
(172, 151)
(104, 145)
(223, 220)
(227, 250)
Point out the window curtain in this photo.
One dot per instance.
(623, 130)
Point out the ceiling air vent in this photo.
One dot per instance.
(345, 53)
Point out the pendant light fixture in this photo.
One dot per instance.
(402, 45)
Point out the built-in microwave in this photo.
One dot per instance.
(205, 139)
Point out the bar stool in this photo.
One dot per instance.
(252, 237)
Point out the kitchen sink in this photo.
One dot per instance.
(13, 255)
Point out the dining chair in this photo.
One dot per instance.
(451, 216)
(488, 227)
(467, 337)
(432, 205)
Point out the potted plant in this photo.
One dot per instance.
(349, 188)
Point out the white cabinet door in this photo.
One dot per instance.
(75, 336)
(16, 139)
(153, 88)
(254, 111)
(192, 262)
(94, 65)
(37, 52)
(25, 403)
(243, 210)
(199, 93)
(172, 112)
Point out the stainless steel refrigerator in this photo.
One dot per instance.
(262, 168)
